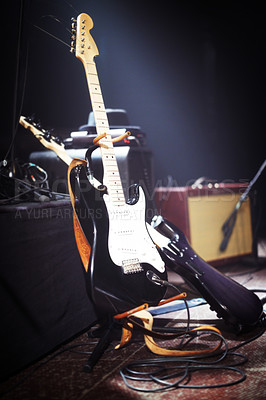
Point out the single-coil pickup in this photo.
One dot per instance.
(123, 232)
(127, 250)
(121, 216)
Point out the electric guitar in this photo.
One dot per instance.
(123, 253)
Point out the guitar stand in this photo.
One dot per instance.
(102, 345)
(108, 328)
(96, 141)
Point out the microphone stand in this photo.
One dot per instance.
(229, 224)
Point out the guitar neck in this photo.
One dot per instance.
(111, 177)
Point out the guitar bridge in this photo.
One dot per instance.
(131, 266)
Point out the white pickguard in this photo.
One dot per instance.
(129, 242)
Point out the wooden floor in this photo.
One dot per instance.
(60, 375)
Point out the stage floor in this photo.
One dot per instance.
(60, 374)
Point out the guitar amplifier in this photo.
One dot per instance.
(201, 212)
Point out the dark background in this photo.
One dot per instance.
(190, 73)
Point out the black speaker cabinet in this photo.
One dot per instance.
(42, 287)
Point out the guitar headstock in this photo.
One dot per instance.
(45, 136)
(83, 43)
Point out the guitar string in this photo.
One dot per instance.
(71, 6)
(26, 67)
(53, 36)
(15, 97)
(59, 21)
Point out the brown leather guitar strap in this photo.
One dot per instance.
(83, 246)
(149, 334)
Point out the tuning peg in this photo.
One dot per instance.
(30, 119)
(38, 125)
(47, 135)
(73, 25)
(58, 140)
(72, 44)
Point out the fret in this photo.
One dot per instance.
(91, 68)
(115, 188)
(93, 78)
(117, 202)
(110, 162)
(98, 105)
(102, 123)
(118, 191)
(100, 115)
(108, 153)
(118, 195)
(102, 130)
(113, 177)
(114, 182)
(97, 98)
(112, 169)
(95, 89)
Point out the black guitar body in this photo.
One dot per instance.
(233, 302)
(111, 290)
